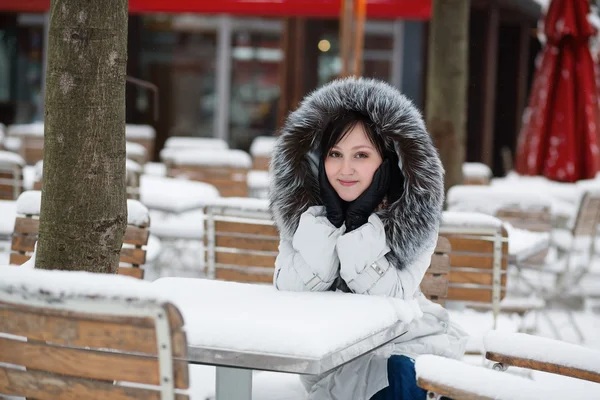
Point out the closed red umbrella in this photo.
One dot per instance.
(559, 136)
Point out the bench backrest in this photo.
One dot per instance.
(588, 215)
(32, 148)
(84, 347)
(229, 181)
(478, 263)
(435, 283)
(261, 163)
(133, 252)
(241, 245)
(11, 179)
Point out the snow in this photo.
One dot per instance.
(135, 149)
(34, 129)
(260, 316)
(473, 169)
(9, 158)
(12, 144)
(137, 213)
(460, 219)
(38, 170)
(29, 202)
(133, 131)
(174, 195)
(241, 203)
(153, 249)
(185, 225)
(8, 214)
(489, 199)
(69, 284)
(183, 143)
(523, 243)
(213, 158)
(258, 179)
(543, 350)
(262, 146)
(489, 383)
(132, 166)
(155, 169)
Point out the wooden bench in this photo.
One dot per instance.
(227, 170)
(133, 251)
(11, 175)
(61, 344)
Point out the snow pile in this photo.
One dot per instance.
(8, 214)
(542, 349)
(489, 199)
(133, 131)
(262, 146)
(135, 150)
(175, 195)
(258, 179)
(184, 143)
(209, 158)
(137, 213)
(457, 219)
(10, 159)
(132, 166)
(476, 170)
(34, 129)
(29, 202)
(260, 316)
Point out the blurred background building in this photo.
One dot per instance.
(232, 69)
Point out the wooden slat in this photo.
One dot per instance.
(18, 258)
(89, 364)
(474, 261)
(136, 236)
(245, 243)
(241, 227)
(544, 366)
(228, 274)
(77, 332)
(440, 264)
(134, 272)
(133, 256)
(232, 191)
(434, 286)
(261, 163)
(448, 391)
(476, 278)
(473, 245)
(443, 245)
(468, 294)
(27, 226)
(246, 260)
(23, 243)
(45, 386)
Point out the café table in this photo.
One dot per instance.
(241, 327)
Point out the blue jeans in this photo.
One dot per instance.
(402, 380)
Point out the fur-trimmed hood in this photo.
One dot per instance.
(411, 220)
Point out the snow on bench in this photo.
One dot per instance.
(8, 158)
(34, 129)
(8, 214)
(457, 379)
(262, 146)
(184, 143)
(134, 131)
(209, 158)
(541, 349)
(489, 200)
(175, 195)
(476, 170)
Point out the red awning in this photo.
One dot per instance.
(559, 137)
(391, 9)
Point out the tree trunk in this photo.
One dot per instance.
(447, 81)
(84, 208)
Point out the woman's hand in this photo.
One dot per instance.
(359, 210)
(331, 200)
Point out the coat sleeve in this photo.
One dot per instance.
(366, 270)
(309, 261)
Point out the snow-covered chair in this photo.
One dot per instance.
(136, 152)
(446, 378)
(31, 139)
(11, 175)
(144, 135)
(260, 150)
(542, 354)
(227, 170)
(135, 242)
(70, 334)
(476, 173)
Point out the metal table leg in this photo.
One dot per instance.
(234, 384)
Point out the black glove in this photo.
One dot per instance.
(334, 205)
(396, 178)
(359, 210)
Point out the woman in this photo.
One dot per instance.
(357, 195)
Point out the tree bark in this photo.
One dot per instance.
(84, 208)
(446, 104)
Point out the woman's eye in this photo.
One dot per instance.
(362, 155)
(334, 154)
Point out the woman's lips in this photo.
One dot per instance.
(346, 183)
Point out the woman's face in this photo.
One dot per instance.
(351, 163)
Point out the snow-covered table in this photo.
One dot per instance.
(240, 327)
